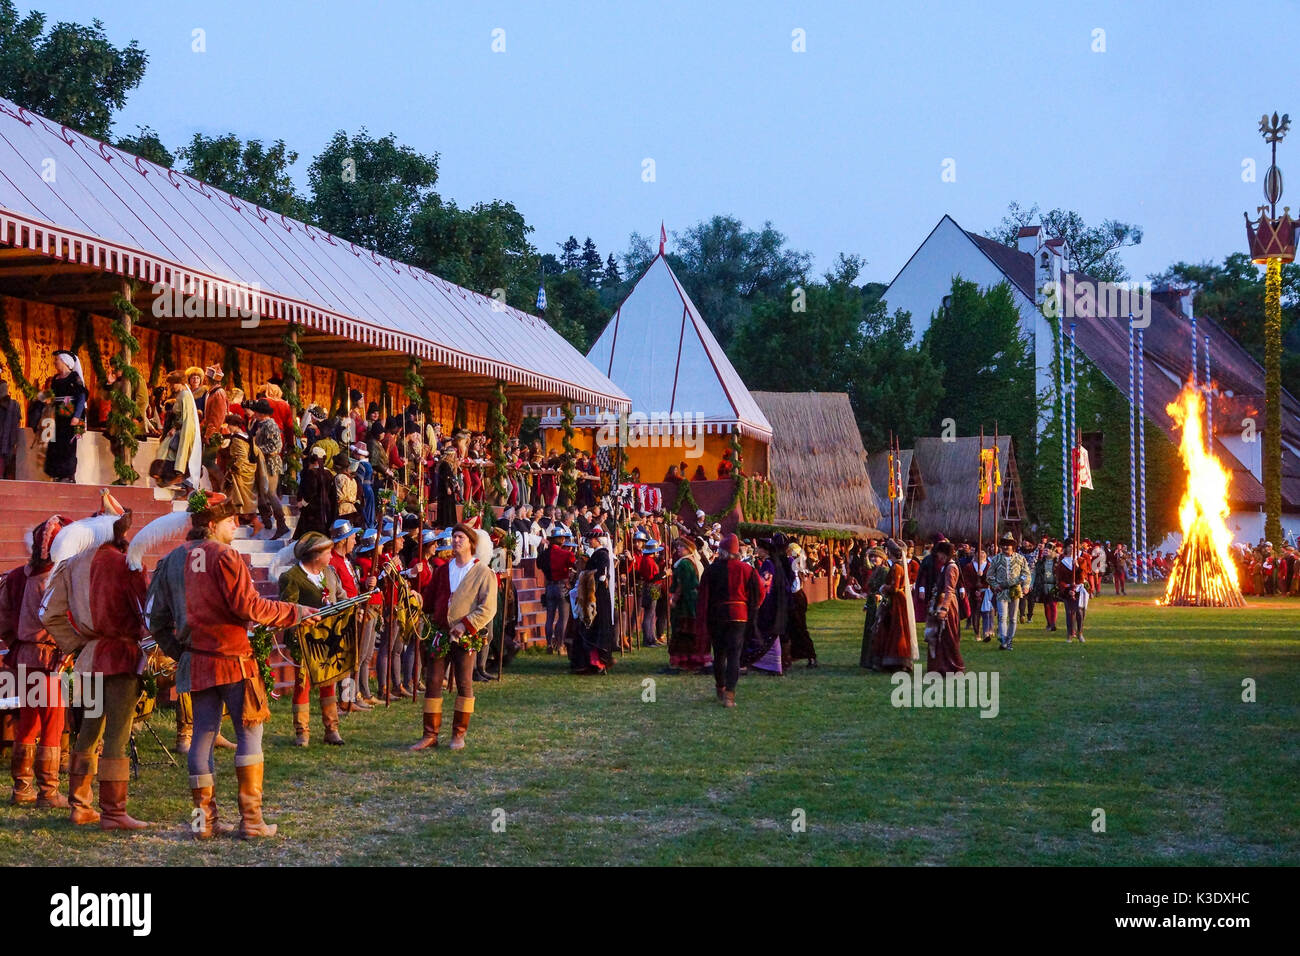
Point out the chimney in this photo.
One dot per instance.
(1028, 239)
(1047, 269)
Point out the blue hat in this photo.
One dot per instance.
(429, 536)
(370, 534)
(385, 541)
(342, 529)
(641, 536)
(444, 534)
(651, 547)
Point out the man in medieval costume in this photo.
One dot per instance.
(34, 765)
(556, 562)
(267, 448)
(943, 623)
(69, 395)
(216, 406)
(180, 453)
(219, 668)
(313, 583)
(464, 592)
(876, 577)
(728, 601)
(1009, 578)
(241, 470)
(317, 495)
(894, 647)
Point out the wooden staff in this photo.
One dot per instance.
(505, 614)
(993, 482)
(979, 507)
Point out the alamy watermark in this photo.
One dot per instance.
(1086, 298)
(24, 688)
(224, 300)
(946, 690)
(684, 430)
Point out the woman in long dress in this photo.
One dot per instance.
(762, 648)
(69, 403)
(944, 643)
(797, 643)
(180, 454)
(877, 576)
(688, 649)
(241, 477)
(592, 650)
(894, 646)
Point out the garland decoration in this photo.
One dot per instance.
(292, 380)
(262, 640)
(568, 469)
(12, 359)
(497, 442)
(124, 410)
(748, 529)
(414, 384)
(737, 456)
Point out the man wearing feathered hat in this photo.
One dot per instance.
(219, 668)
(464, 603)
(313, 583)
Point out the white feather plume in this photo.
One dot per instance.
(158, 532)
(284, 559)
(483, 547)
(82, 536)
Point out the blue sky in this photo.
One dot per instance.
(842, 146)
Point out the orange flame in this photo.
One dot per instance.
(1204, 506)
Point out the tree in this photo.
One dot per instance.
(483, 248)
(1094, 250)
(250, 171)
(836, 343)
(727, 269)
(146, 144)
(611, 276)
(368, 191)
(570, 256)
(987, 366)
(73, 75)
(591, 267)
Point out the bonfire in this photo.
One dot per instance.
(1204, 574)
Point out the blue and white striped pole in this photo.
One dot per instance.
(1209, 400)
(1195, 362)
(1142, 461)
(1074, 429)
(1065, 468)
(1132, 448)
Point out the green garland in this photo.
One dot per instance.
(262, 641)
(748, 529)
(568, 469)
(737, 457)
(12, 359)
(414, 384)
(755, 497)
(497, 442)
(292, 380)
(125, 408)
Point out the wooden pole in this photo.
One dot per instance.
(979, 499)
(996, 490)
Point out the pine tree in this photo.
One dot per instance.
(592, 265)
(570, 257)
(612, 276)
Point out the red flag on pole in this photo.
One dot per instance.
(663, 237)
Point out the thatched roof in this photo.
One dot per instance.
(950, 470)
(816, 460)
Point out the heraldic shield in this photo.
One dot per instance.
(326, 644)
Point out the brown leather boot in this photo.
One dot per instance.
(729, 698)
(301, 725)
(203, 820)
(47, 779)
(251, 824)
(432, 723)
(329, 712)
(81, 787)
(114, 774)
(22, 768)
(183, 743)
(460, 722)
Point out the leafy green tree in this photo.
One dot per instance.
(73, 74)
(368, 191)
(484, 247)
(1094, 250)
(146, 144)
(251, 171)
(987, 364)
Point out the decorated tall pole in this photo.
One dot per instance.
(1132, 446)
(1272, 243)
(1065, 435)
(1209, 398)
(1074, 430)
(1140, 414)
(1195, 361)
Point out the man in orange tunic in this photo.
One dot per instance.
(219, 668)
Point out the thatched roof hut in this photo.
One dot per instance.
(817, 461)
(950, 470)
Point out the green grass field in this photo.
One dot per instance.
(1145, 722)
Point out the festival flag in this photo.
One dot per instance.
(663, 237)
(989, 478)
(893, 484)
(1082, 470)
(326, 644)
(900, 487)
(541, 298)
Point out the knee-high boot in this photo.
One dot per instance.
(251, 824)
(460, 721)
(22, 768)
(81, 784)
(47, 779)
(432, 723)
(114, 774)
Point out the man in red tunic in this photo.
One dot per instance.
(219, 667)
(728, 600)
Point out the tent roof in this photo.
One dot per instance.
(98, 210)
(659, 350)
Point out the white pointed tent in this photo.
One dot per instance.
(658, 349)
